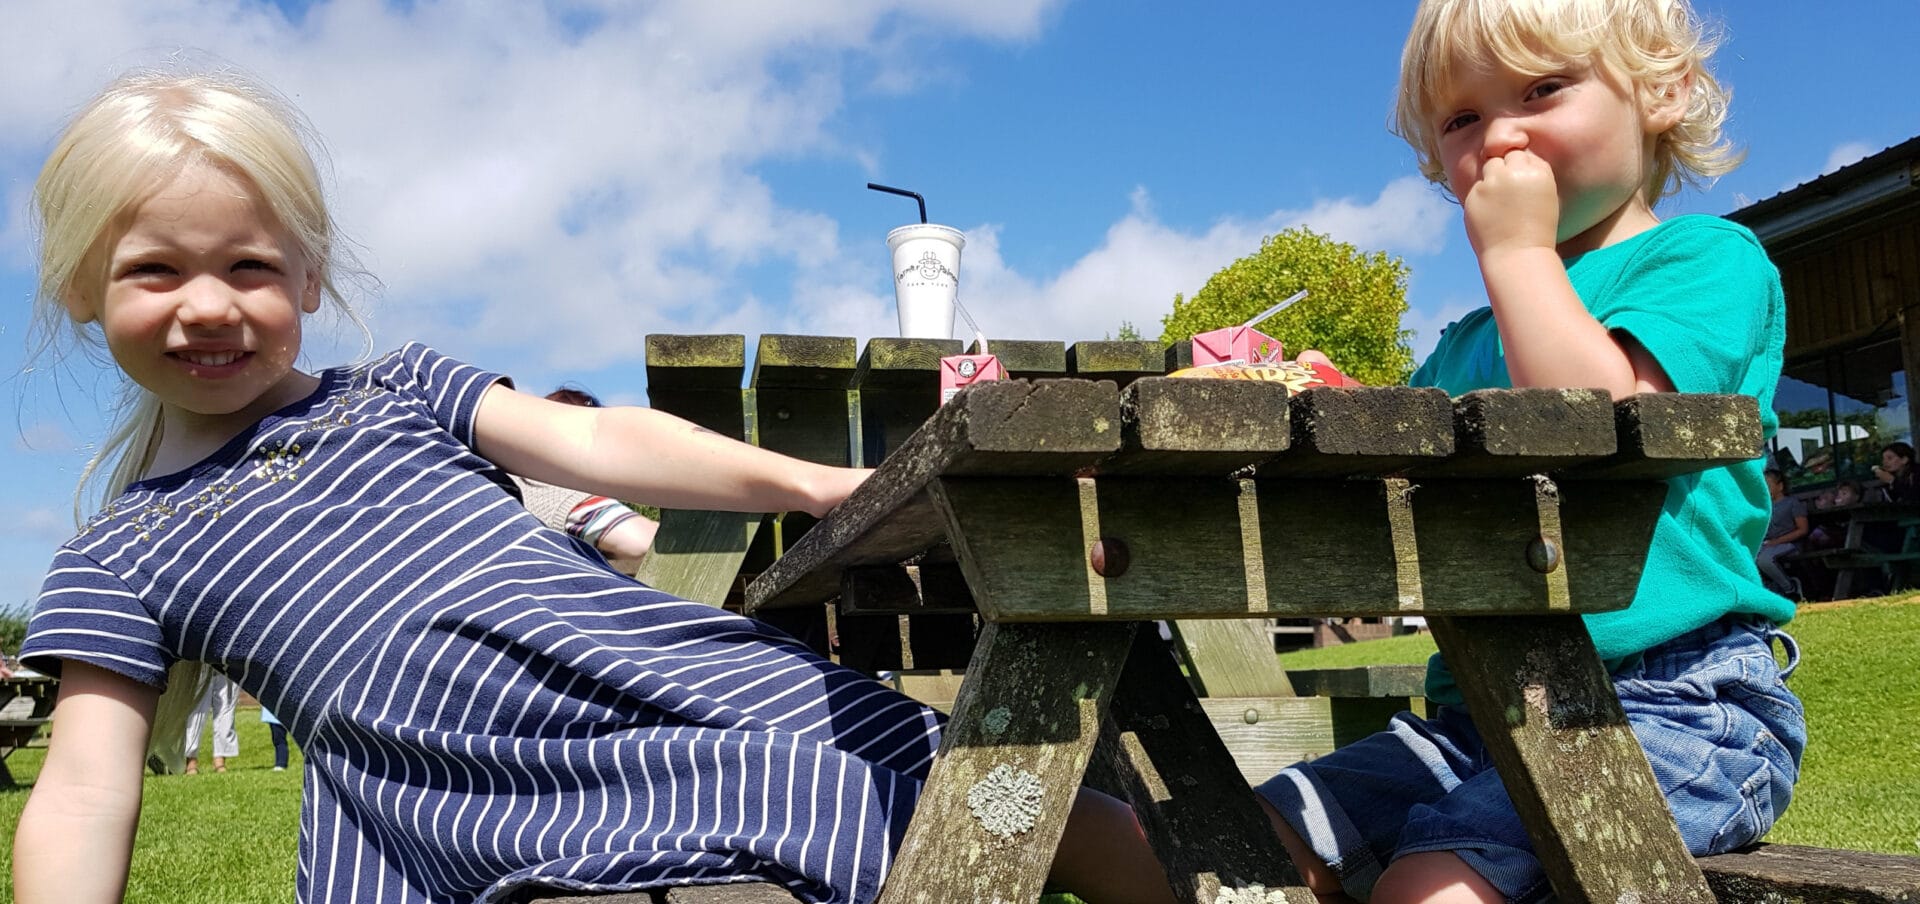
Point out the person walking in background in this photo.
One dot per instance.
(279, 733)
(606, 524)
(219, 698)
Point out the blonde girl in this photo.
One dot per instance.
(483, 703)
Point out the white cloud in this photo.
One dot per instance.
(552, 185)
(1843, 154)
(524, 176)
(46, 437)
(46, 526)
(1851, 152)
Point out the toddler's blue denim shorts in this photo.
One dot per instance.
(1710, 708)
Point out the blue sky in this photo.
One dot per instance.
(538, 186)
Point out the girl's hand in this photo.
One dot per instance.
(1514, 205)
(832, 486)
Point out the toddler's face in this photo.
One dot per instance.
(203, 300)
(1580, 120)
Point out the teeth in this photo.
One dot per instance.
(210, 359)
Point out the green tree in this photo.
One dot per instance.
(1352, 310)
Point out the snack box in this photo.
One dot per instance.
(957, 371)
(1295, 375)
(1235, 345)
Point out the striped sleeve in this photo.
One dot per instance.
(450, 389)
(88, 613)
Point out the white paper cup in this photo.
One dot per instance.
(926, 278)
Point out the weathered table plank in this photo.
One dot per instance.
(1500, 432)
(1664, 435)
(1199, 426)
(1342, 432)
(1017, 427)
(1290, 548)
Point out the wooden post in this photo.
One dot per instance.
(1010, 764)
(1547, 711)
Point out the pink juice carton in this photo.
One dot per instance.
(1235, 345)
(959, 371)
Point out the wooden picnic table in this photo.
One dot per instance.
(1071, 512)
(1854, 554)
(26, 702)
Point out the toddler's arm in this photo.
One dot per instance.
(75, 836)
(1512, 216)
(649, 456)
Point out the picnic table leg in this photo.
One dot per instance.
(1549, 715)
(1010, 763)
(1200, 815)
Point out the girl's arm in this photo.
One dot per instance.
(75, 837)
(649, 456)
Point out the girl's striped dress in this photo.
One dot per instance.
(483, 703)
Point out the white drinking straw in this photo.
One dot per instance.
(1283, 305)
(978, 336)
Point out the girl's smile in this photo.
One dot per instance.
(203, 298)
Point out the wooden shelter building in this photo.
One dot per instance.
(1848, 248)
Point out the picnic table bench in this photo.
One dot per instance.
(26, 702)
(1060, 516)
(1855, 556)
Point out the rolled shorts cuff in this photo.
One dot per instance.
(1317, 817)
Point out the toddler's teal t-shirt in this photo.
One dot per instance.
(1700, 295)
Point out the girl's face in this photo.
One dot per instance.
(1892, 461)
(1581, 120)
(203, 300)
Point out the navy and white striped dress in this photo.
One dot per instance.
(483, 703)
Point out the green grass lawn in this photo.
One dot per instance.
(231, 838)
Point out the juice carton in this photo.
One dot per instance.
(957, 371)
(1235, 345)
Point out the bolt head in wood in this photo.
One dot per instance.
(1109, 557)
(1543, 555)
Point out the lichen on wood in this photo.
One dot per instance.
(1007, 801)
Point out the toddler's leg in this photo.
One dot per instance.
(1104, 856)
(1433, 877)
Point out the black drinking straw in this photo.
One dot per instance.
(904, 193)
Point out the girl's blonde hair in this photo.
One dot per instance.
(121, 148)
(1654, 45)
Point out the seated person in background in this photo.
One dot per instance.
(1896, 468)
(1785, 529)
(1829, 535)
(607, 524)
(1846, 492)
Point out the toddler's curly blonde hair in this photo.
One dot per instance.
(1653, 45)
